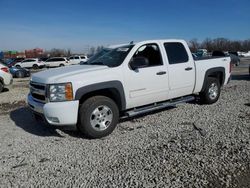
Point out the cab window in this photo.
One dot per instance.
(151, 53)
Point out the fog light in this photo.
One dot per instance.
(53, 119)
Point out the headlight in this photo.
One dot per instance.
(60, 92)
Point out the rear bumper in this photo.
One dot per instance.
(57, 113)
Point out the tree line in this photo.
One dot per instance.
(221, 44)
(56, 52)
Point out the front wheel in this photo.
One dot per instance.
(212, 91)
(1, 87)
(98, 117)
(35, 66)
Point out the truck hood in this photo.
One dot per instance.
(54, 75)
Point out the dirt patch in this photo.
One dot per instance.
(5, 108)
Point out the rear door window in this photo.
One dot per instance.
(61, 59)
(176, 52)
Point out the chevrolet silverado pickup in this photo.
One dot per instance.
(124, 82)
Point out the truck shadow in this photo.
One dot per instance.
(24, 119)
(241, 77)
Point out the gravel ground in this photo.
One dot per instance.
(189, 146)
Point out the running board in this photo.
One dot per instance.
(158, 106)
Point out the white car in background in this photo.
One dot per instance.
(5, 77)
(76, 59)
(34, 63)
(56, 62)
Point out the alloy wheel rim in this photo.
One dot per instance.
(213, 91)
(101, 118)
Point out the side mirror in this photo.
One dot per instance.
(139, 62)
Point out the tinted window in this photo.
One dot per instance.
(28, 60)
(60, 59)
(218, 54)
(83, 57)
(49, 60)
(77, 57)
(176, 52)
(151, 53)
(57, 59)
(71, 58)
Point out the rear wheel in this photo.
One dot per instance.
(35, 66)
(98, 117)
(212, 91)
(19, 74)
(1, 87)
(61, 65)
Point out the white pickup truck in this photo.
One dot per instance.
(124, 82)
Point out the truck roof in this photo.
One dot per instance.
(147, 41)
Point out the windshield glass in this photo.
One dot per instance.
(110, 57)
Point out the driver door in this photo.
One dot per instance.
(147, 84)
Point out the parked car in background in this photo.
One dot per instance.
(201, 52)
(245, 54)
(76, 59)
(235, 60)
(34, 63)
(12, 61)
(5, 77)
(19, 72)
(56, 62)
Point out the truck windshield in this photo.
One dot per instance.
(111, 58)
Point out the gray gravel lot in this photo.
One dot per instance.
(189, 146)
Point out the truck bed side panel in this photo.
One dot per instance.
(202, 66)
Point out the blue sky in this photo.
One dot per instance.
(79, 24)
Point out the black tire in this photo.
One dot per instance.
(237, 64)
(18, 66)
(35, 66)
(1, 86)
(212, 90)
(20, 74)
(61, 65)
(91, 110)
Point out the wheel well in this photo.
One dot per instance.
(219, 75)
(110, 93)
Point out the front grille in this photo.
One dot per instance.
(37, 86)
(38, 91)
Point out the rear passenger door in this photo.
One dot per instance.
(28, 63)
(181, 69)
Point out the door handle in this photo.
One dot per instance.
(161, 73)
(188, 68)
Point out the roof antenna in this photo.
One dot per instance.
(132, 42)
